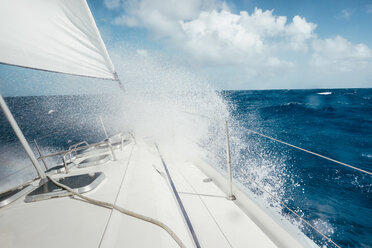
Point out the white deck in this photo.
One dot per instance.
(138, 182)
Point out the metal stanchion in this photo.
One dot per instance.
(38, 150)
(103, 126)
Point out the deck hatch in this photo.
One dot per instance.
(81, 183)
(95, 160)
(114, 145)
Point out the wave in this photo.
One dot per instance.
(367, 155)
(179, 111)
(325, 93)
(292, 104)
(15, 166)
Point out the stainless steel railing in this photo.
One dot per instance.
(71, 153)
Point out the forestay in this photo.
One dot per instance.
(53, 35)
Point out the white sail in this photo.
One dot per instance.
(53, 35)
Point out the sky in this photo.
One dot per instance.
(245, 44)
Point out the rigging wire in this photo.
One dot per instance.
(313, 153)
(173, 235)
(293, 146)
(276, 198)
(15, 172)
(293, 212)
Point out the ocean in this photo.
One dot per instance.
(333, 122)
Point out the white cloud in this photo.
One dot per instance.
(340, 54)
(345, 14)
(112, 4)
(222, 36)
(369, 8)
(254, 45)
(299, 31)
(142, 52)
(162, 17)
(126, 20)
(209, 32)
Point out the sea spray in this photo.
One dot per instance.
(164, 104)
(186, 118)
(169, 105)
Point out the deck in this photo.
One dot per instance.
(138, 182)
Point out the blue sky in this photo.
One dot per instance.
(349, 18)
(244, 44)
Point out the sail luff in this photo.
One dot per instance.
(103, 46)
(104, 51)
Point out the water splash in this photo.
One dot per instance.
(169, 105)
(186, 117)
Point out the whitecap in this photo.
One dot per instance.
(324, 93)
(292, 103)
(367, 155)
(51, 111)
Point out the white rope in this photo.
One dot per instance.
(121, 210)
(316, 154)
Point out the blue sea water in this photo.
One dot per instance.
(335, 123)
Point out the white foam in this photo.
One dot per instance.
(15, 168)
(51, 111)
(171, 106)
(367, 155)
(324, 93)
(185, 117)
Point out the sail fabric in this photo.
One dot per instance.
(53, 35)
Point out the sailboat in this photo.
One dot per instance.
(123, 191)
